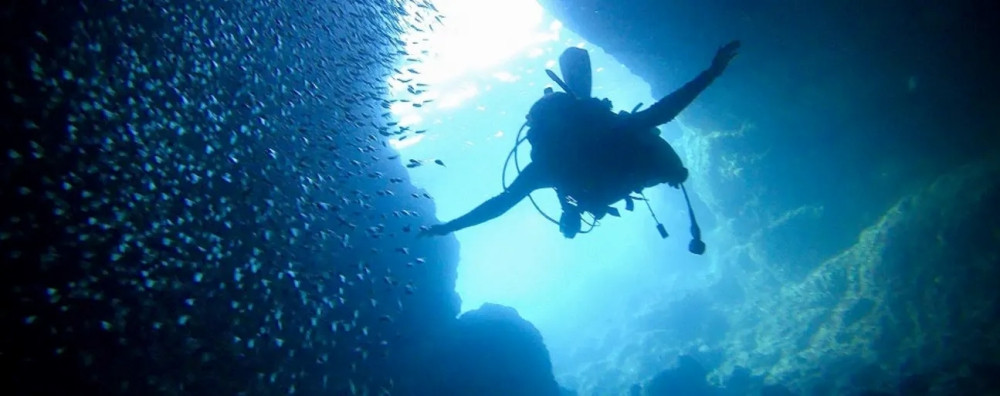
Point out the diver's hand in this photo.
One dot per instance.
(725, 55)
(434, 230)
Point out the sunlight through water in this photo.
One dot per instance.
(483, 70)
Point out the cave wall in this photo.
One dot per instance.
(490, 350)
(913, 297)
(843, 107)
(850, 152)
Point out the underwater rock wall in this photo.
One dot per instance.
(914, 297)
(850, 150)
(491, 351)
(829, 114)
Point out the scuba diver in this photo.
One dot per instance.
(592, 156)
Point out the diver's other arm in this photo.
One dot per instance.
(530, 179)
(664, 110)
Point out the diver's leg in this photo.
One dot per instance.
(532, 177)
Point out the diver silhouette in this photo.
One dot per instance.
(592, 156)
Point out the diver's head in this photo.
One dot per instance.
(664, 165)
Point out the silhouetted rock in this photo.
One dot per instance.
(494, 351)
(688, 378)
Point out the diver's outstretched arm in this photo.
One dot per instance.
(664, 110)
(531, 178)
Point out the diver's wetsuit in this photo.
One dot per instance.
(536, 176)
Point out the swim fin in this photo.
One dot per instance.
(574, 63)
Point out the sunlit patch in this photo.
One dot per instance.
(478, 35)
(410, 119)
(536, 52)
(475, 37)
(402, 144)
(399, 108)
(456, 97)
(506, 76)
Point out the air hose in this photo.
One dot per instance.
(517, 165)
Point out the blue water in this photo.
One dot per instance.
(224, 198)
